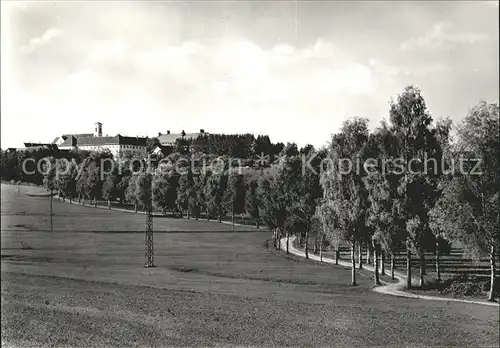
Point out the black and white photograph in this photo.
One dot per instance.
(247, 173)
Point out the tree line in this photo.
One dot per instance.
(430, 202)
(348, 192)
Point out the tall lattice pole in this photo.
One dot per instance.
(51, 228)
(149, 252)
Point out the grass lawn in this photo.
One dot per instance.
(85, 285)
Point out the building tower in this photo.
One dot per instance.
(98, 129)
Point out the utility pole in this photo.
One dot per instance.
(51, 229)
(149, 244)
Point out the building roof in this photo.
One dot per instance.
(172, 137)
(68, 141)
(165, 150)
(49, 146)
(76, 136)
(80, 135)
(137, 141)
(96, 141)
(88, 139)
(71, 140)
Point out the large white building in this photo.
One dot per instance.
(118, 145)
(169, 139)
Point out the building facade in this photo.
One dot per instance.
(169, 139)
(118, 145)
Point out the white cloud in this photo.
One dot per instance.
(200, 80)
(147, 67)
(408, 70)
(108, 50)
(439, 36)
(48, 36)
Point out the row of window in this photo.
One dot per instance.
(114, 147)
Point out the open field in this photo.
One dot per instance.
(84, 285)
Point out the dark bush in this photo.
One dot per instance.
(464, 285)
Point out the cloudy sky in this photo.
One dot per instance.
(293, 70)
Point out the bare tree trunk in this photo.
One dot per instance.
(360, 255)
(491, 295)
(382, 262)
(321, 249)
(135, 207)
(208, 216)
(109, 204)
(306, 246)
(287, 242)
(368, 254)
(279, 238)
(337, 255)
(232, 214)
(51, 227)
(353, 260)
(438, 270)
(422, 268)
(408, 264)
(393, 261)
(375, 263)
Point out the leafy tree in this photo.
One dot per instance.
(49, 168)
(66, 182)
(185, 192)
(344, 191)
(109, 188)
(130, 190)
(305, 185)
(142, 193)
(80, 186)
(262, 145)
(330, 225)
(290, 150)
(253, 201)
(197, 203)
(93, 184)
(268, 207)
(122, 188)
(442, 132)
(385, 221)
(215, 188)
(468, 210)
(182, 146)
(207, 184)
(234, 195)
(165, 191)
(411, 126)
(151, 143)
(274, 204)
(277, 148)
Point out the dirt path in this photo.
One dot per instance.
(395, 289)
